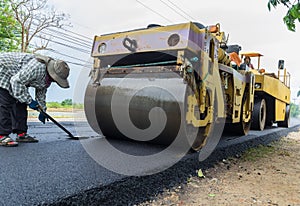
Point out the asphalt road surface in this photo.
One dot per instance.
(56, 167)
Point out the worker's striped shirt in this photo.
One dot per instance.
(18, 71)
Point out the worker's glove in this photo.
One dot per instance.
(42, 118)
(34, 105)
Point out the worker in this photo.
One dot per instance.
(246, 65)
(18, 72)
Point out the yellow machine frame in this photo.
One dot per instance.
(270, 86)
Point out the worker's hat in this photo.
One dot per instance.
(57, 69)
(59, 72)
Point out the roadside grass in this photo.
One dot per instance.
(56, 117)
(57, 105)
(59, 110)
(263, 151)
(258, 152)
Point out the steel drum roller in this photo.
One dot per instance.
(107, 105)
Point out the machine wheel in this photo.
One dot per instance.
(212, 130)
(286, 122)
(259, 114)
(242, 127)
(270, 116)
(204, 132)
(201, 138)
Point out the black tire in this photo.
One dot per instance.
(241, 128)
(259, 114)
(195, 134)
(286, 122)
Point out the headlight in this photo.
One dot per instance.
(257, 85)
(102, 48)
(173, 40)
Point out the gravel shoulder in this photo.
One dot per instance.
(266, 175)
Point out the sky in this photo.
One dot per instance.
(248, 23)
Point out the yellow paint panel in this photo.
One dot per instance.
(280, 110)
(190, 115)
(196, 29)
(148, 40)
(144, 31)
(273, 87)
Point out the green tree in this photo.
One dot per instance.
(292, 14)
(9, 29)
(34, 16)
(67, 102)
(295, 110)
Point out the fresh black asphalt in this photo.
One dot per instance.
(57, 168)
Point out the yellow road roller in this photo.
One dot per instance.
(160, 84)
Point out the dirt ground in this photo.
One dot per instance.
(267, 175)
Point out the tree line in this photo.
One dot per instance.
(67, 104)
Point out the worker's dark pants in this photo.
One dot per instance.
(13, 114)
